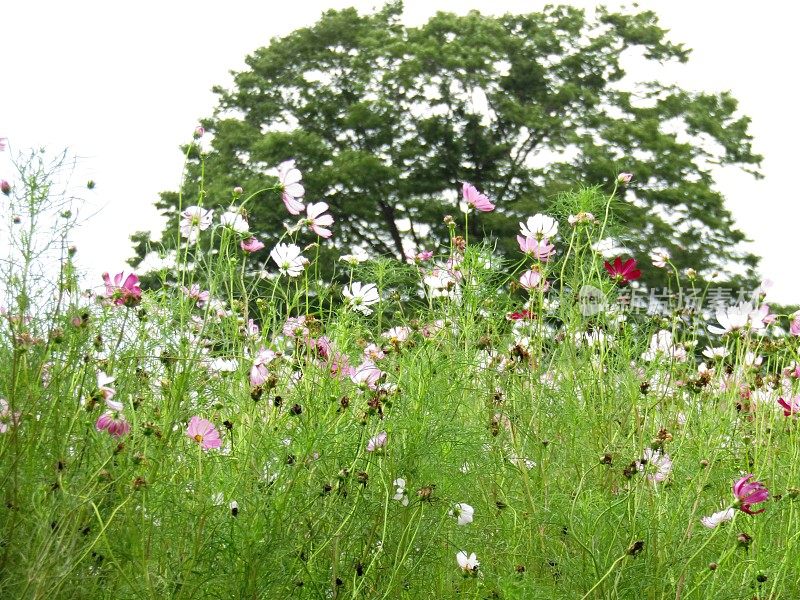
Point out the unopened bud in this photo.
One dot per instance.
(198, 132)
(5, 187)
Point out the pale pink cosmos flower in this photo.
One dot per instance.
(374, 352)
(367, 374)
(581, 217)
(748, 493)
(7, 419)
(377, 441)
(533, 279)
(318, 222)
(538, 249)
(194, 220)
(251, 244)
(114, 423)
(291, 188)
(761, 317)
(259, 372)
(660, 257)
(201, 297)
(624, 178)
(123, 293)
(397, 334)
(204, 433)
(794, 326)
(732, 318)
(295, 327)
(474, 199)
(400, 493)
(658, 466)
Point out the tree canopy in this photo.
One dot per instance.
(385, 122)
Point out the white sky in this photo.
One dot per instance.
(124, 84)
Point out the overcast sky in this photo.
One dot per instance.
(124, 84)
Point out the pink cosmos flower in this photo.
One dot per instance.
(251, 245)
(316, 221)
(623, 272)
(204, 433)
(538, 249)
(258, 372)
(532, 279)
(291, 188)
(6, 417)
(794, 326)
(749, 493)
(114, 423)
(474, 199)
(625, 178)
(195, 293)
(378, 441)
(792, 407)
(123, 293)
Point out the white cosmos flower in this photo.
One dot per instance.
(539, 226)
(716, 352)
(289, 259)
(463, 512)
(194, 220)
(235, 221)
(718, 517)
(360, 297)
(400, 491)
(359, 255)
(469, 564)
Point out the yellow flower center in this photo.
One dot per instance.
(198, 438)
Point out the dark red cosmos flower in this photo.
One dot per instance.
(623, 272)
(518, 316)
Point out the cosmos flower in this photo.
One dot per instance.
(194, 292)
(539, 227)
(468, 564)
(289, 259)
(251, 244)
(718, 517)
(204, 433)
(734, 318)
(123, 293)
(400, 493)
(194, 220)
(792, 407)
(291, 188)
(463, 513)
(623, 272)
(377, 441)
(234, 220)
(474, 199)
(538, 249)
(318, 222)
(532, 279)
(749, 493)
(259, 372)
(360, 297)
(660, 257)
(113, 422)
(657, 465)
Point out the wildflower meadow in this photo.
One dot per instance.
(232, 424)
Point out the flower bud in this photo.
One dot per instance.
(198, 132)
(5, 187)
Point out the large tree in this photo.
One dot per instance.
(385, 121)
